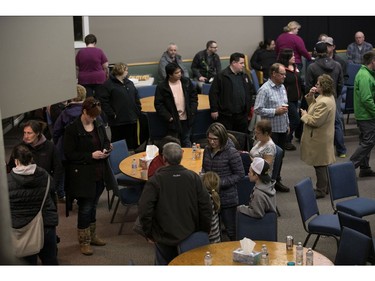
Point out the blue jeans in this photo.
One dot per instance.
(228, 217)
(87, 207)
(48, 254)
(339, 131)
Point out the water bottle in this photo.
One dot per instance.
(194, 150)
(299, 254)
(134, 167)
(309, 257)
(264, 260)
(208, 258)
(198, 152)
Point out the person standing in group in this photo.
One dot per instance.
(176, 101)
(211, 181)
(290, 39)
(263, 57)
(171, 56)
(294, 89)
(121, 104)
(86, 148)
(231, 95)
(364, 111)
(173, 205)
(263, 196)
(45, 155)
(358, 48)
(331, 53)
(272, 104)
(222, 157)
(325, 65)
(27, 185)
(318, 132)
(92, 65)
(206, 64)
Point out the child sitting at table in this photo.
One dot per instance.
(263, 197)
(211, 181)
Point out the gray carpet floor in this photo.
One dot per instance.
(130, 248)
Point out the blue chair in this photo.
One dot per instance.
(352, 69)
(255, 80)
(146, 91)
(347, 102)
(314, 222)
(244, 189)
(201, 123)
(360, 225)
(256, 229)
(344, 192)
(195, 240)
(132, 188)
(206, 88)
(354, 248)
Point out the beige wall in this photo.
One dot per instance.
(133, 39)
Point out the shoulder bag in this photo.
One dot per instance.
(29, 240)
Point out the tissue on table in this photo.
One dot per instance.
(246, 253)
(151, 151)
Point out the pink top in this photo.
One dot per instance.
(90, 62)
(292, 41)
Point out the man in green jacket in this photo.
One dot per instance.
(364, 111)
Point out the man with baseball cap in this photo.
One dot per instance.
(263, 197)
(331, 53)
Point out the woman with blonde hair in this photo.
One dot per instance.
(290, 39)
(211, 181)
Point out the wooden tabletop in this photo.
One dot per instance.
(187, 161)
(222, 254)
(148, 103)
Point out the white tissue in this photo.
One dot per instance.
(151, 151)
(247, 245)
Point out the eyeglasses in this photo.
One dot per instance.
(213, 139)
(282, 74)
(95, 104)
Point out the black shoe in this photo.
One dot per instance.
(366, 173)
(280, 187)
(319, 194)
(290, 146)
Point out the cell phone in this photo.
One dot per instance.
(108, 151)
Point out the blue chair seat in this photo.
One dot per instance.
(123, 179)
(359, 207)
(325, 223)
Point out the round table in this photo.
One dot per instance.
(187, 161)
(148, 103)
(222, 254)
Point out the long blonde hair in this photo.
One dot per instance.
(211, 181)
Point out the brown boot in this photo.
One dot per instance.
(95, 240)
(84, 241)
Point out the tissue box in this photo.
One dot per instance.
(252, 259)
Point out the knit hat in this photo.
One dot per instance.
(261, 168)
(321, 47)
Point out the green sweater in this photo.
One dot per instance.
(364, 94)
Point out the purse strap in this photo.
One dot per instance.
(45, 195)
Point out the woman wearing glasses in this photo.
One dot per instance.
(86, 148)
(222, 157)
(317, 146)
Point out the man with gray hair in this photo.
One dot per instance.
(359, 47)
(173, 205)
(169, 56)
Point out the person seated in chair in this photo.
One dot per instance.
(263, 197)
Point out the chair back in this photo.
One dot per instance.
(244, 140)
(354, 248)
(342, 181)
(348, 102)
(157, 127)
(306, 200)
(201, 123)
(146, 91)
(195, 240)
(244, 189)
(356, 223)
(119, 152)
(206, 88)
(255, 80)
(352, 69)
(257, 229)
(277, 162)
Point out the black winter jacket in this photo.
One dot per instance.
(26, 193)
